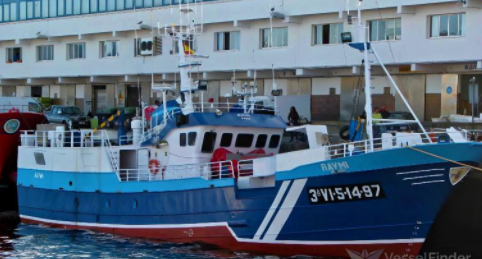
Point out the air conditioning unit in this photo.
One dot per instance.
(146, 46)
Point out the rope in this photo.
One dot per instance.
(446, 159)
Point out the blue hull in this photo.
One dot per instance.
(299, 212)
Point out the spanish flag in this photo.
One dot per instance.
(187, 49)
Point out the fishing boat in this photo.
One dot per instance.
(212, 173)
(16, 114)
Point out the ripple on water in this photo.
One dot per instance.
(36, 241)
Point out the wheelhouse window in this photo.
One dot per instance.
(209, 142)
(244, 140)
(76, 50)
(191, 138)
(109, 49)
(386, 29)
(327, 34)
(45, 53)
(447, 25)
(261, 140)
(14, 55)
(277, 40)
(182, 139)
(274, 141)
(227, 40)
(226, 140)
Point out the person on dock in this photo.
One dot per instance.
(376, 115)
(293, 117)
(384, 112)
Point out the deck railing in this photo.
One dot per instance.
(389, 141)
(208, 171)
(74, 138)
(226, 107)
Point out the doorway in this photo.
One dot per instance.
(470, 95)
(100, 98)
(133, 96)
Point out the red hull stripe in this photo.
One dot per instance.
(221, 235)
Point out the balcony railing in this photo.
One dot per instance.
(19, 10)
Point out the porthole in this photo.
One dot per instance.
(70, 183)
(135, 204)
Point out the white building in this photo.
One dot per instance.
(82, 52)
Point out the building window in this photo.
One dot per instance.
(227, 40)
(277, 40)
(209, 142)
(192, 44)
(109, 49)
(76, 50)
(244, 140)
(226, 139)
(327, 34)
(387, 29)
(14, 55)
(447, 25)
(45, 53)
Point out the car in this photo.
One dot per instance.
(399, 115)
(71, 116)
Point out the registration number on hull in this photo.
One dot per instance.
(343, 193)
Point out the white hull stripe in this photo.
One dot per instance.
(428, 182)
(421, 171)
(285, 210)
(225, 224)
(272, 209)
(423, 176)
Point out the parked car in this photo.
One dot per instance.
(403, 127)
(70, 116)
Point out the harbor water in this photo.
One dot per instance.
(32, 242)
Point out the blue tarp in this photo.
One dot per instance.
(354, 134)
(159, 112)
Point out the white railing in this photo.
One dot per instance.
(74, 138)
(208, 171)
(390, 142)
(225, 107)
(113, 157)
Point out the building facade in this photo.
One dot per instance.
(89, 53)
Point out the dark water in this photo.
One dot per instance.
(32, 241)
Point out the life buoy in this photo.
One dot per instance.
(154, 166)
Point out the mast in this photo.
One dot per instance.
(368, 76)
(367, 49)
